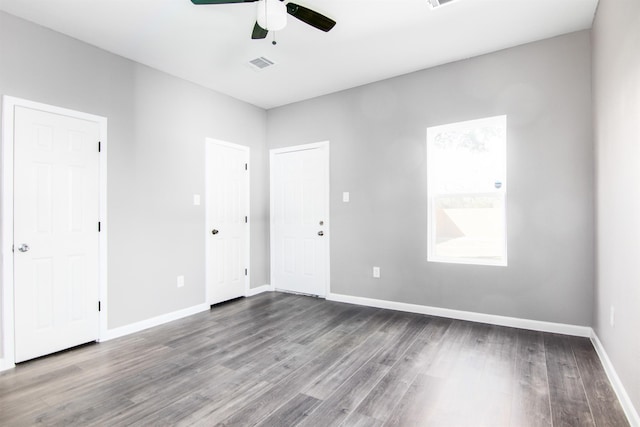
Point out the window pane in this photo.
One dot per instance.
(467, 158)
(469, 226)
(467, 184)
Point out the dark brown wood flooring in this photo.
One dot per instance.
(282, 360)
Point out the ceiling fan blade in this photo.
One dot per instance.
(310, 17)
(221, 1)
(258, 32)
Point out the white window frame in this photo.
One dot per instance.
(432, 131)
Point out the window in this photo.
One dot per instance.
(466, 177)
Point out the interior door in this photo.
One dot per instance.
(300, 219)
(56, 242)
(227, 220)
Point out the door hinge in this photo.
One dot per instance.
(246, 220)
(99, 306)
(99, 146)
(246, 166)
(245, 271)
(99, 226)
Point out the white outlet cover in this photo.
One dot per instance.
(180, 281)
(345, 196)
(376, 272)
(196, 200)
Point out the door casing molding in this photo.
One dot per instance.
(9, 104)
(209, 142)
(325, 146)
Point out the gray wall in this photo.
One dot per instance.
(378, 138)
(616, 83)
(157, 125)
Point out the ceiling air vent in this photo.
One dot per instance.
(436, 3)
(261, 63)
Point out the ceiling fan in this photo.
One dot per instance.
(272, 15)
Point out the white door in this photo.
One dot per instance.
(300, 219)
(56, 242)
(227, 220)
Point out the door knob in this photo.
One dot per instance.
(23, 247)
(214, 231)
(320, 233)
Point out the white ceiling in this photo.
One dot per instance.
(373, 39)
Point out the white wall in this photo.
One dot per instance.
(378, 142)
(157, 126)
(616, 114)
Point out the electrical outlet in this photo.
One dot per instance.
(196, 200)
(612, 317)
(345, 196)
(180, 281)
(376, 272)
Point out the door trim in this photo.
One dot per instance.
(207, 177)
(9, 103)
(273, 152)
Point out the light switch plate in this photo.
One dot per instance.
(345, 196)
(196, 200)
(612, 317)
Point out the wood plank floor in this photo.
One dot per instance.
(282, 360)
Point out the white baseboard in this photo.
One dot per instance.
(535, 325)
(513, 322)
(155, 321)
(5, 365)
(260, 289)
(625, 401)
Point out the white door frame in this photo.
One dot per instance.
(207, 174)
(9, 104)
(272, 153)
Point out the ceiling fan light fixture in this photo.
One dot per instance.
(272, 15)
